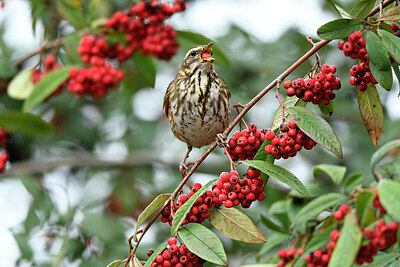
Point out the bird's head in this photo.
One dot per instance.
(198, 57)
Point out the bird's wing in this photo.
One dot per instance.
(166, 102)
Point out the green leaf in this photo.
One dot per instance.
(46, 86)
(22, 241)
(363, 205)
(339, 10)
(382, 152)
(280, 174)
(29, 124)
(379, 60)
(115, 263)
(149, 210)
(318, 205)
(362, 8)
(72, 14)
(189, 39)
(396, 71)
(392, 44)
(136, 262)
(352, 181)
(327, 109)
(371, 112)
(318, 241)
(336, 173)
(235, 225)
(146, 68)
(348, 244)
(287, 102)
(317, 129)
(389, 192)
(272, 242)
(278, 207)
(383, 260)
(155, 253)
(181, 213)
(391, 14)
(204, 243)
(338, 29)
(21, 85)
(271, 225)
(262, 155)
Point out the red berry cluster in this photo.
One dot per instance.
(382, 237)
(49, 64)
(288, 255)
(343, 210)
(355, 48)
(288, 142)
(3, 160)
(97, 80)
(145, 30)
(322, 256)
(91, 46)
(178, 256)
(232, 190)
(3, 137)
(245, 144)
(377, 203)
(318, 89)
(199, 211)
(396, 30)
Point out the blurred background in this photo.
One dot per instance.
(71, 198)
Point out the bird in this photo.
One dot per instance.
(196, 102)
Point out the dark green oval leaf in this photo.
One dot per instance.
(149, 210)
(362, 8)
(352, 181)
(389, 192)
(379, 60)
(46, 86)
(317, 128)
(371, 112)
(327, 109)
(235, 225)
(280, 174)
(146, 67)
(28, 123)
(318, 205)
(392, 44)
(189, 39)
(338, 29)
(381, 153)
(204, 243)
(348, 244)
(271, 225)
(336, 173)
(21, 85)
(181, 213)
(154, 255)
(363, 205)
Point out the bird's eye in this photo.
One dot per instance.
(211, 53)
(193, 53)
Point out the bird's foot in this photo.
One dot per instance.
(183, 167)
(221, 140)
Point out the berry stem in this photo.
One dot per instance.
(280, 101)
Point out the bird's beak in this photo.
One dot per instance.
(205, 55)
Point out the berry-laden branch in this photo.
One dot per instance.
(238, 118)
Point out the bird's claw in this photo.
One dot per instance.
(221, 140)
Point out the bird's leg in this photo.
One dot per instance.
(183, 166)
(221, 140)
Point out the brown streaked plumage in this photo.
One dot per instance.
(196, 102)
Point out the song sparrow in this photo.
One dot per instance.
(197, 100)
